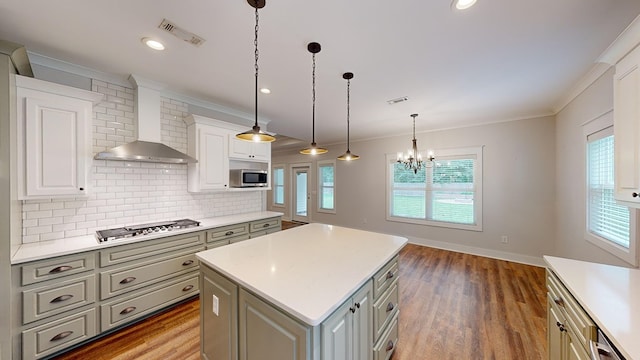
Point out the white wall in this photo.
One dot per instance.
(518, 194)
(570, 171)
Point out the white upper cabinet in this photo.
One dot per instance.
(248, 150)
(627, 128)
(208, 144)
(624, 54)
(54, 124)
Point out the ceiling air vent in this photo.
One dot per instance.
(397, 100)
(181, 34)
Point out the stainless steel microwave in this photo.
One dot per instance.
(248, 178)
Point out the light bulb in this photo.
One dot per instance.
(313, 151)
(256, 137)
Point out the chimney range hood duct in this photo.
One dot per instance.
(148, 147)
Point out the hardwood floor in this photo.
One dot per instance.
(453, 306)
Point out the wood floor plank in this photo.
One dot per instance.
(453, 306)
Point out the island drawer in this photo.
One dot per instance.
(55, 268)
(266, 224)
(227, 232)
(383, 279)
(145, 249)
(122, 279)
(57, 298)
(146, 301)
(57, 335)
(384, 310)
(387, 344)
(579, 322)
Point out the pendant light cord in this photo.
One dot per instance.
(255, 43)
(313, 98)
(348, 100)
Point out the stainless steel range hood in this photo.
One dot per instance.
(148, 147)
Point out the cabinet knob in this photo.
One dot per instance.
(560, 326)
(60, 269)
(187, 288)
(390, 307)
(187, 263)
(228, 233)
(128, 310)
(61, 298)
(352, 309)
(389, 275)
(559, 301)
(389, 346)
(357, 305)
(635, 194)
(265, 225)
(127, 280)
(81, 189)
(61, 336)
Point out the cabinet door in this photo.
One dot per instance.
(363, 323)
(247, 150)
(555, 337)
(55, 145)
(268, 334)
(212, 163)
(337, 334)
(627, 128)
(262, 151)
(219, 316)
(575, 351)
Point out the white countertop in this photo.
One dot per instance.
(307, 271)
(53, 248)
(610, 295)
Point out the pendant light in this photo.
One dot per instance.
(412, 160)
(348, 156)
(255, 134)
(313, 48)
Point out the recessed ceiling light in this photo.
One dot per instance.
(265, 91)
(463, 4)
(154, 44)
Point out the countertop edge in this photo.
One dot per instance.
(75, 245)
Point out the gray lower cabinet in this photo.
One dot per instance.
(347, 333)
(264, 227)
(218, 315)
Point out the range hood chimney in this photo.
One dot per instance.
(148, 147)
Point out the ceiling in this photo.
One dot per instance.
(499, 60)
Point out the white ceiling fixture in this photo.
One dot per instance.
(154, 44)
(463, 4)
(180, 33)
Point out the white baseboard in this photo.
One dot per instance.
(494, 254)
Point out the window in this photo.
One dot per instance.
(278, 185)
(608, 225)
(448, 194)
(326, 186)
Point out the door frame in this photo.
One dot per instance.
(292, 188)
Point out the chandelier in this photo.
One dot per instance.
(412, 160)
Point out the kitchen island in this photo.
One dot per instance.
(313, 292)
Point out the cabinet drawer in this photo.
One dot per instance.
(218, 243)
(56, 268)
(581, 327)
(59, 334)
(227, 232)
(384, 310)
(239, 238)
(387, 344)
(120, 280)
(57, 298)
(145, 302)
(383, 279)
(121, 254)
(267, 224)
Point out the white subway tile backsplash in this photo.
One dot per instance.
(126, 193)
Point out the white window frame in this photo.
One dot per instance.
(319, 165)
(443, 154)
(629, 255)
(275, 185)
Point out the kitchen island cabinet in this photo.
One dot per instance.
(310, 291)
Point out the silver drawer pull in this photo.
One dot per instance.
(187, 263)
(60, 269)
(389, 346)
(128, 310)
(127, 280)
(596, 350)
(265, 225)
(187, 288)
(390, 307)
(61, 298)
(389, 275)
(559, 301)
(228, 233)
(61, 336)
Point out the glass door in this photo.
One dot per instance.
(301, 194)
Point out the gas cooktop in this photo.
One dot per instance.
(144, 229)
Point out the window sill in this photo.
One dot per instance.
(470, 227)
